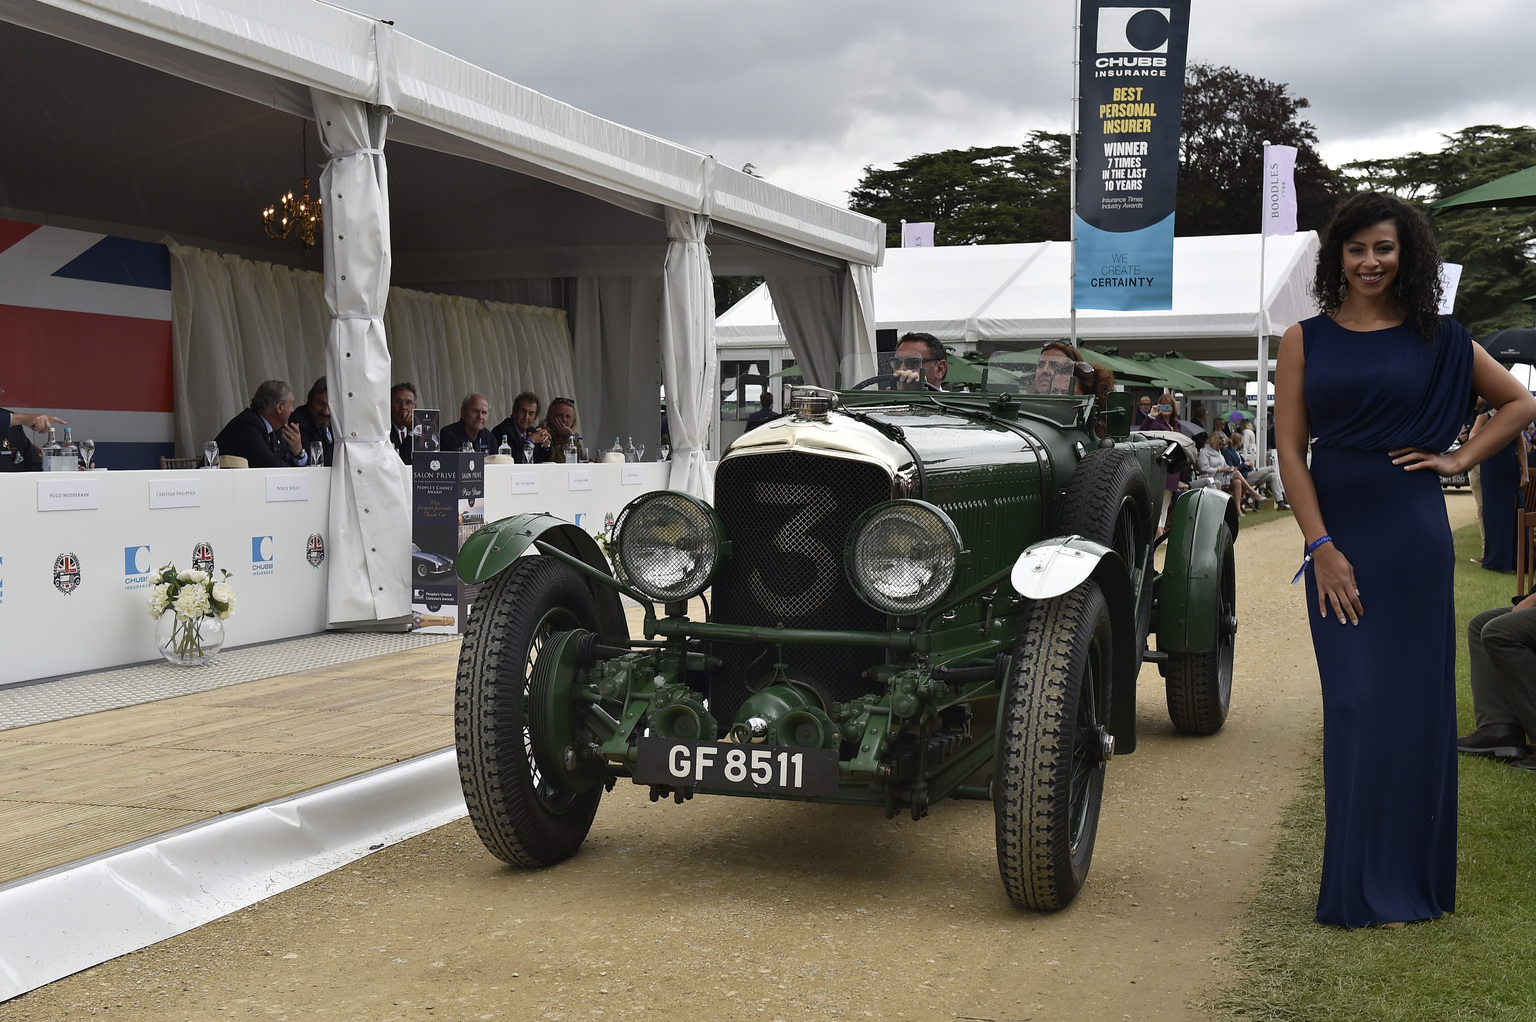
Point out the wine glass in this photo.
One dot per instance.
(211, 454)
(87, 452)
(663, 451)
(640, 451)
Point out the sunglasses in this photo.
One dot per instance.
(1055, 368)
(909, 362)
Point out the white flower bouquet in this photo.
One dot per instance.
(191, 596)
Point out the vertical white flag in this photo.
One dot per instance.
(916, 235)
(1279, 214)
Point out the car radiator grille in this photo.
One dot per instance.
(787, 516)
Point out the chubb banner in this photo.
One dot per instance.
(1131, 89)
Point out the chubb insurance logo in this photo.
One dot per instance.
(136, 567)
(202, 557)
(1140, 31)
(261, 555)
(66, 573)
(314, 550)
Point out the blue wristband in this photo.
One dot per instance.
(1307, 557)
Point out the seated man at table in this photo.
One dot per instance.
(523, 425)
(314, 420)
(402, 408)
(262, 434)
(17, 452)
(561, 424)
(470, 430)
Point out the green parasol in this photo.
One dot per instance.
(1517, 189)
(1187, 365)
(1168, 375)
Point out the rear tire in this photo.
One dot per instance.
(1200, 684)
(521, 816)
(1049, 779)
(1107, 501)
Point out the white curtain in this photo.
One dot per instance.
(370, 526)
(826, 318)
(689, 365)
(235, 323)
(450, 346)
(618, 386)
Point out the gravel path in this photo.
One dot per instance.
(730, 908)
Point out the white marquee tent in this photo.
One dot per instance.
(992, 296)
(180, 119)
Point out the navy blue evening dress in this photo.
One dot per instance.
(1389, 698)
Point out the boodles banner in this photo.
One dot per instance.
(1131, 90)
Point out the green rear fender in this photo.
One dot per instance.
(493, 548)
(1189, 591)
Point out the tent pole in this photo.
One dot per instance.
(1262, 418)
(1077, 60)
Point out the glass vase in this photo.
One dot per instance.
(188, 642)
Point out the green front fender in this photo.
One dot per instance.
(493, 548)
(1189, 590)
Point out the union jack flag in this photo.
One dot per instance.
(85, 334)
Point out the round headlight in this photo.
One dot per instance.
(668, 545)
(903, 556)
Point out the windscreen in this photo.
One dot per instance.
(1049, 372)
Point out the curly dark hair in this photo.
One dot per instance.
(1417, 287)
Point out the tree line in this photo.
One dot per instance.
(998, 194)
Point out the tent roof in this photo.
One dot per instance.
(1018, 295)
(1517, 189)
(270, 52)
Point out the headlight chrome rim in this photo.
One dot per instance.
(668, 545)
(889, 578)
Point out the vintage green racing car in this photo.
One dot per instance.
(912, 595)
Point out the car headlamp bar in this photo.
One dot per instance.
(593, 573)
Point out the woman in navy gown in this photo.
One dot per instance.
(1383, 383)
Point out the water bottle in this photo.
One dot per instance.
(51, 451)
(70, 453)
(527, 451)
(616, 449)
(505, 447)
(629, 450)
(568, 452)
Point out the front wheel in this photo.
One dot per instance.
(1200, 684)
(1053, 744)
(522, 816)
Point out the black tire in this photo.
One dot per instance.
(421, 571)
(521, 817)
(1109, 502)
(1200, 684)
(1049, 778)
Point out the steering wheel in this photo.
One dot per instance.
(888, 381)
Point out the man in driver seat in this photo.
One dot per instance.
(919, 359)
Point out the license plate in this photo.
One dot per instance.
(726, 766)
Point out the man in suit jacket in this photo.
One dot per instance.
(402, 405)
(474, 410)
(17, 453)
(523, 425)
(765, 412)
(314, 420)
(262, 434)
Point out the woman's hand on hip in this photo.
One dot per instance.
(1414, 459)
(1335, 578)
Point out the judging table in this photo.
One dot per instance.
(78, 549)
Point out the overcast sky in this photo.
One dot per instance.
(812, 91)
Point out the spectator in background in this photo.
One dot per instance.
(523, 426)
(1144, 418)
(314, 420)
(470, 432)
(1502, 645)
(262, 434)
(402, 405)
(765, 412)
(561, 424)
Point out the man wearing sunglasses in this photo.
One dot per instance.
(919, 360)
(1058, 370)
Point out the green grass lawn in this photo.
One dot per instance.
(1478, 964)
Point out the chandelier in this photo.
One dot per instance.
(295, 216)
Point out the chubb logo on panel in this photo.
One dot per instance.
(136, 567)
(261, 555)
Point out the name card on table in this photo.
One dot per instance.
(71, 491)
(288, 486)
(581, 479)
(629, 475)
(176, 492)
(525, 482)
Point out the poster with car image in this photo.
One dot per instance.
(447, 506)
